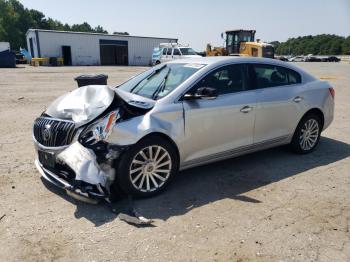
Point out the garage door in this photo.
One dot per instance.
(113, 52)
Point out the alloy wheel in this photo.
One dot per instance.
(150, 168)
(309, 134)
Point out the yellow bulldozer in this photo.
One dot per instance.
(241, 43)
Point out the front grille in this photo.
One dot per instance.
(52, 132)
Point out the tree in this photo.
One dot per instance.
(99, 29)
(121, 33)
(84, 27)
(318, 45)
(345, 46)
(15, 20)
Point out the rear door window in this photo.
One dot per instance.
(293, 77)
(270, 76)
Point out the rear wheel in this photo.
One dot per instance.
(307, 134)
(147, 167)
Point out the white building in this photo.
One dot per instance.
(92, 48)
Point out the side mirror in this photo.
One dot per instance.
(202, 92)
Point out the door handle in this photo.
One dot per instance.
(297, 99)
(246, 109)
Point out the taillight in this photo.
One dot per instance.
(332, 92)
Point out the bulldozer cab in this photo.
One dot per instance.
(242, 43)
(234, 39)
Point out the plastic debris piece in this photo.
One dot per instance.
(130, 215)
(134, 218)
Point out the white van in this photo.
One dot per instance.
(171, 51)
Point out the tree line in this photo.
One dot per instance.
(324, 44)
(15, 20)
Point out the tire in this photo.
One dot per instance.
(139, 175)
(157, 62)
(307, 134)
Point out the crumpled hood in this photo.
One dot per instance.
(83, 104)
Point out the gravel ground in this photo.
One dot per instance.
(267, 206)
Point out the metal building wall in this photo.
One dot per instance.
(85, 48)
(139, 48)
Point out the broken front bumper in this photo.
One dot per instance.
(54, 178)
(86, 173)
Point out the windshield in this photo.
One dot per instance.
(160, 80)
(188, 51)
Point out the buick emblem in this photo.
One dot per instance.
(46, 132)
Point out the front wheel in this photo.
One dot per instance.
(147, 167)
(307, 134)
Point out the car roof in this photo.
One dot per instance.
(211, 60)
(222, 60)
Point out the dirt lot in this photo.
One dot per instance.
(267, 206)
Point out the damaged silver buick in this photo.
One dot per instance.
(97, 140)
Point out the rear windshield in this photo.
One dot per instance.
(160, 80)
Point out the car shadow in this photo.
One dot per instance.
(97, 214)
(230, 178)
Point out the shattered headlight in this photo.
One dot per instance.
(100, 130)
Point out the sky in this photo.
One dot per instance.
(199, 22)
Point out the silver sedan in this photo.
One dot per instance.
(134, 138)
